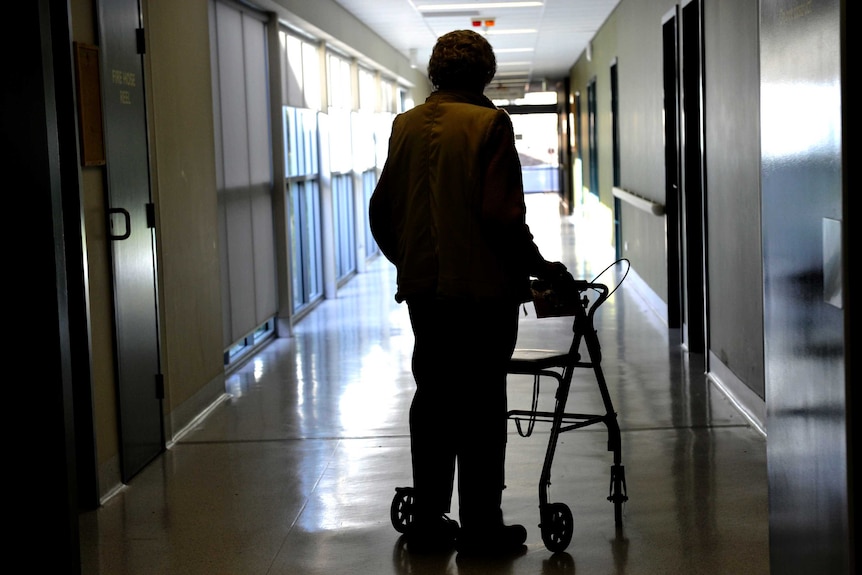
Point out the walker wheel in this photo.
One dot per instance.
(402, 509)
(557, 526)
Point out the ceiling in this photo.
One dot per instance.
(535, 45)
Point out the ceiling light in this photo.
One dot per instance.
(455, 14)
(499, 31)
(485, 23)
(476, 6)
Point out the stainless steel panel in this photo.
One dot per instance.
(804, 336)
(832, 290)
(134, 272)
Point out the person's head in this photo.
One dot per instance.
(462, 60)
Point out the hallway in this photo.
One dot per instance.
(294, 471)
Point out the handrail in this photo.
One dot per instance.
(639, 202)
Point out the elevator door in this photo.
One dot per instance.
(132, 240)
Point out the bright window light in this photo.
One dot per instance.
(537, 98)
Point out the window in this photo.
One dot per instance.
(301, 76)
(244, 173)
(301, 161)
(344, 152)
(344, 213)
(302, 100)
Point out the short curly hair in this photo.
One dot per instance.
(462, 60)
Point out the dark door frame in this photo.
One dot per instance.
(615, 150)
(684, 169)
(693, 162)
(675, 293)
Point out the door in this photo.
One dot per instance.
(615, 148)
(592, 134)
(670, 74)
(684, 160)
(136, 334)
(693, 207)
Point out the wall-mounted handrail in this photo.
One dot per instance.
(639, 202)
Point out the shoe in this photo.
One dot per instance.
(432, 536)
(492, 541)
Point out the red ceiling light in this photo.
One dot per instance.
(483, 23)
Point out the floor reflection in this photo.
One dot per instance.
(295, 471)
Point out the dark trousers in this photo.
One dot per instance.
(458, 414)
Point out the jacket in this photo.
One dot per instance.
(449, 208)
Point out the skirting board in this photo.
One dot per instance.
(749, 403)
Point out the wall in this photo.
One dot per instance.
(637, 51)
(777, 238)
(731, 111)
(327, 20)
(591, 213)
(641, 101)
(181, 139)
(804, 196)
(183, 184)
(98, 282)
(732, 122)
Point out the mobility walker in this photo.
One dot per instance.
(568, 297)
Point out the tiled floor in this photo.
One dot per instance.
(295, 471)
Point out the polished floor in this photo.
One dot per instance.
(295, 470)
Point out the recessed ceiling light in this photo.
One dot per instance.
(453, 14)
(476, 6)
(500, 32)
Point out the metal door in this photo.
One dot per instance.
(136, 337)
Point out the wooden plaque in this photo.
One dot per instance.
(89, 104)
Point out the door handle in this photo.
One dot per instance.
(126, 219)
